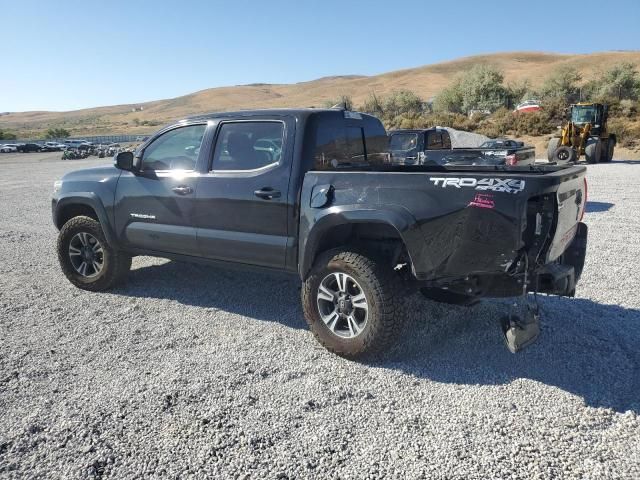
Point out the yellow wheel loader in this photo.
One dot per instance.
(585, 133)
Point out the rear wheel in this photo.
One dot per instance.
(551, 148)
(607, 153)
(351, 302)
(564, 155)
(593, 150)
(87, 260)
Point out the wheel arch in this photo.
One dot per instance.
(86, 204)
(386, 229)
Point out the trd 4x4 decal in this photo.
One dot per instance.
(506, 185)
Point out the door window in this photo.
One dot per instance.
(176, 149)
(243, 146)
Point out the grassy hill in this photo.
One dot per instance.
(425, 81)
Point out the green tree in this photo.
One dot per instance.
(620, 82)
(57, 133)
(519, 91)
(562, 83)
(482, 89)
(449, 99)
(402, 102)
(7, 135)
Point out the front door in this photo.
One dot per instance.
(242, 207)
(154, 207)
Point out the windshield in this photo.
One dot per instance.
(403, 141)
(583, 114)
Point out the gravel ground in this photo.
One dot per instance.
(192, 372)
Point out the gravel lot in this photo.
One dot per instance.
(190, 371)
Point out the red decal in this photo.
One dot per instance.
(482, 200)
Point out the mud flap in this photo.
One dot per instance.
(520, 332)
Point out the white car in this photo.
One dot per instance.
(53, 147)
(8, 148)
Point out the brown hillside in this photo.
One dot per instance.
(426, 81)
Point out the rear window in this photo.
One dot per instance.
(349, 146)
(403, 141)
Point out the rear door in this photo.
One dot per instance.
(153, 207)
(242, 209)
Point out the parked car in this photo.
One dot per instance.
(78, 144)
(53, 147)
(432, 146)
(528, 106)
(8, 148)
(29, 147)
(358, 232)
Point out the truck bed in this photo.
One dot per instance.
(459, 221)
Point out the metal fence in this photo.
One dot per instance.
(90, 138)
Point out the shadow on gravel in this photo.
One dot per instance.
(585, 348)
(264, 296)
(628, 162)
(597, 207)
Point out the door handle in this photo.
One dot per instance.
(183, 190)
(267, 193)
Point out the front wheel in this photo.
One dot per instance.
(87, 260)
(351, 302)
(564, 155)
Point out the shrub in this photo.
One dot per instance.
(627, 133)
(7, 135)
(57, 133)
(342, 100)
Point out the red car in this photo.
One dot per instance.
(528, 106)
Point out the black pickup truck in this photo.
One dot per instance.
(433, 146)
(311, 192)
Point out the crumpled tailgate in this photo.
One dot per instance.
(571, 201)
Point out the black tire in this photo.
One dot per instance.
(593, 150)
(604, 151)
(383, 292)
(607, 154)
(115, 264)
(551, 148)
(564, 155)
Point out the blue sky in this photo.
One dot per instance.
(63, 55)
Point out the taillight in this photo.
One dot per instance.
(511, 159)
(584, 199)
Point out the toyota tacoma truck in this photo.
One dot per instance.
(433, 146)
(311, 192)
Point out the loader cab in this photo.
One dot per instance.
(593, 113)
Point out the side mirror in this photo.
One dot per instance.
(124, 161)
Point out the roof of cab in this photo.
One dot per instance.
(417, 130)
(298, 112)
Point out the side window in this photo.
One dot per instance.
(434, 141)
(248, 145)
(339, 146)
(446, 141)
(176, 149)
